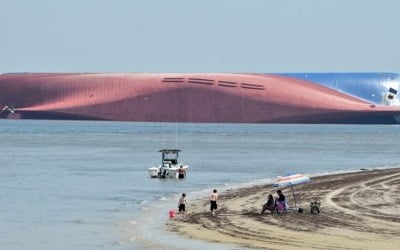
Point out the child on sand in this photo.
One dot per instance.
(182, 204)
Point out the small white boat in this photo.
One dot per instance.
(170, 166)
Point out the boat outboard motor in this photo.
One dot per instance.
(163, 172)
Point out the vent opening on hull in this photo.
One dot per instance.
(173, 79)
(220, 83)
(390, 96)
(392, 93)
(252, 86)
(227, 84)
(201, 81)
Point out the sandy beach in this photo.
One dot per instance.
(359, 210)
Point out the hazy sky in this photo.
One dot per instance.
(199, 36)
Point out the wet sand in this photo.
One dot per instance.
(359, 210)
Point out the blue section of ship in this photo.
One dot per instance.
(377, 88)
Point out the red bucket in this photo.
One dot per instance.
(171, 214)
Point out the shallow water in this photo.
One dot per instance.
(84, 185)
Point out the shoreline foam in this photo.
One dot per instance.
(359, 210)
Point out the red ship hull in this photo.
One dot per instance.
(213, 97)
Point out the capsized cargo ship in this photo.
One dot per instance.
(352, 98)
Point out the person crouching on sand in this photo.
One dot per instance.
(182, 204)
(213, 201)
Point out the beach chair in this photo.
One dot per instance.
(281, 207)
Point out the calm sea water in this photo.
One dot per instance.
(84, 185)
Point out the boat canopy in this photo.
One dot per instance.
(169, 150)
(170, 155)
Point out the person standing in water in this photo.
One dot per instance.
(182, 204)
(213, 201)
(181, 172)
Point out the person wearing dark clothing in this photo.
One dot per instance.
(163, 172)
(213, 201)
(281, 197)
(182, 204)
(181, 172)
(281, 204)
(269, 205)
